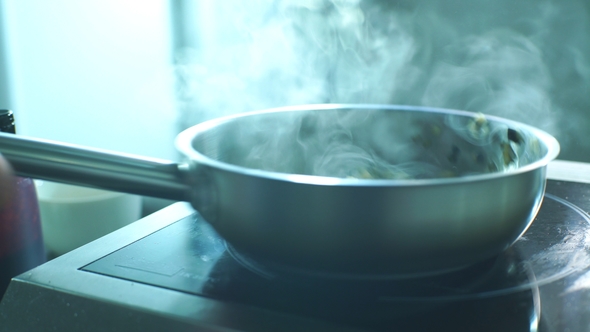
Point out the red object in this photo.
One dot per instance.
(21, 240)
(19, 220)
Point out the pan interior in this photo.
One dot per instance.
(371, 143)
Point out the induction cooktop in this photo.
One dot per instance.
(171, 270)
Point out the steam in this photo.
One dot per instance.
(528, 61)
(390, 143)
(500, 73)
(296, 52)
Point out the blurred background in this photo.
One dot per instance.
(129, 75)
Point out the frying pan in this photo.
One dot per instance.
(361, 190)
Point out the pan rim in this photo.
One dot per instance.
(184, 141)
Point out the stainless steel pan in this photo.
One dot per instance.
(350, 189)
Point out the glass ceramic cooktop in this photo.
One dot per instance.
(505, 293)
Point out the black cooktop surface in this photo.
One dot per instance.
(539, 284)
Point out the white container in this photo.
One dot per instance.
(72, 216)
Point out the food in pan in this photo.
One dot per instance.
(441, 151)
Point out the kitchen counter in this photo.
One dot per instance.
(569, 171)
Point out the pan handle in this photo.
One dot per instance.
(73, 164)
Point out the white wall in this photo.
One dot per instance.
(93, 72)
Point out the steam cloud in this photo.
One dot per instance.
(527, 60)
